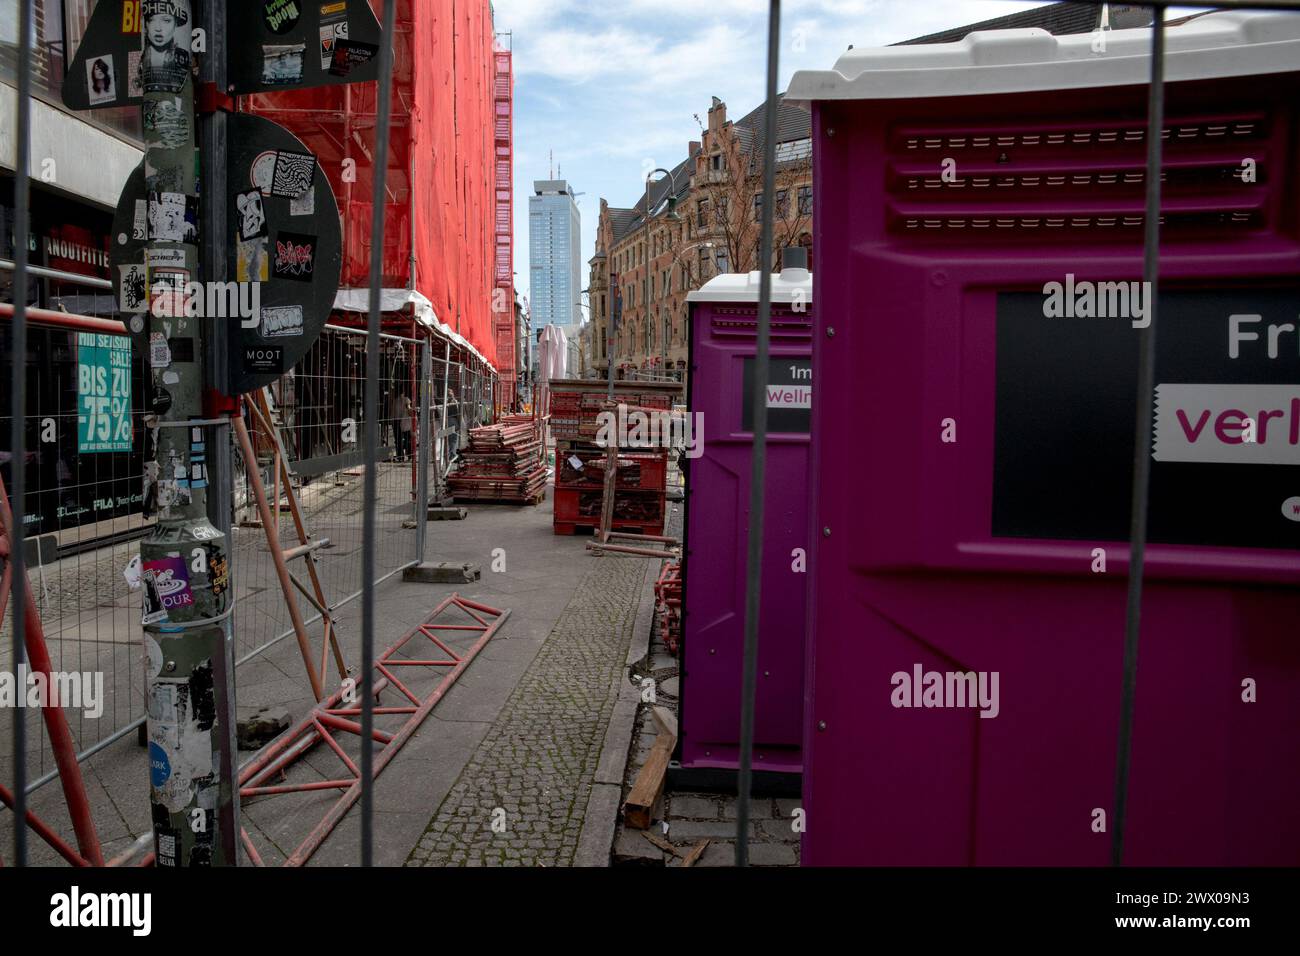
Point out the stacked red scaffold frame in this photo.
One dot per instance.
(580, 456)
(503, 463)
(668, 604)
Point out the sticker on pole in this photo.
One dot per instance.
(299, 44)
(160, 767)
(106, 72)
(277, 45)
(166, 588)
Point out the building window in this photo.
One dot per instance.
(805, 200)
(793, 151)
(715, 161)
(783, 204)
(702, 213)
(758, 207)
(704, 263)
(723, 264)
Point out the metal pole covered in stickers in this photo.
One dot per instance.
(188, 599)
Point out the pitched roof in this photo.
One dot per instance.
(620, 221)
(792, 123)
(681, 178)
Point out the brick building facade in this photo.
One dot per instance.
(703, 219)
(713, 224)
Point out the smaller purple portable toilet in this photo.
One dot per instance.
(724, 332)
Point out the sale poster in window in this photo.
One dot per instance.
(103, 393)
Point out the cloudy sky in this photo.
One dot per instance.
(613, 86)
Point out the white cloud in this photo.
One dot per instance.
(578, 57)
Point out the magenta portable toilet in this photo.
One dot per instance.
(979, 215)
(723, 328)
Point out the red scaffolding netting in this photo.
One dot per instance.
(443, 164)
(504, 264)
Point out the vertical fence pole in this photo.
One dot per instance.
(425, 387)
(214, 267)
(1142, 444)
(18, 413)
(443, 456)
(758, 471)
(370, 491)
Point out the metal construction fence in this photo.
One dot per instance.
(89, 509)
(90, 603)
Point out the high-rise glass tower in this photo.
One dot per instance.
(555, 254)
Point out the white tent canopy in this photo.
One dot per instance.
(396, 300)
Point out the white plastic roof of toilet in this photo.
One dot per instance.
(1222, 44)
(789, 285)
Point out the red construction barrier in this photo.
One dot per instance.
(56, 724)
(393, 671)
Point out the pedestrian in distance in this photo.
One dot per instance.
(399, 413)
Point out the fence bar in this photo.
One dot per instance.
(92, 282)
(18, 409)
(422, 459)
(214, 265)
(66, 320)
(370, 493)
(1142, 444)
(758, 473)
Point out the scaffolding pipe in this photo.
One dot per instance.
(18, 405)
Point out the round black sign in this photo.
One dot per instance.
(283, 247)
(281, 16)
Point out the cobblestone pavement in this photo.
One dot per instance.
(522, 797)
(690, 818)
